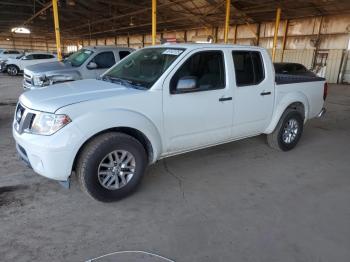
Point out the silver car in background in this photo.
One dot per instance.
(88, 62)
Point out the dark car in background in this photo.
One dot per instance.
(292, 69)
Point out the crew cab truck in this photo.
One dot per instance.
(88, 62)
(158, 102)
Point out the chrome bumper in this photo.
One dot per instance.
(322, 112)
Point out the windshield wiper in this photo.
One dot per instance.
(123, 82)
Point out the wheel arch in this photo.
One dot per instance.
(133, 132)
(8, 65)
(297, 102)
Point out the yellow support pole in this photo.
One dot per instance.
(57, 29)
(154, 21)
(278, 17)
(227, 20)
(285, 34)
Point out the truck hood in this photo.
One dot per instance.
(49, 66)
(51, 98)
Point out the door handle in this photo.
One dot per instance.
(265, 93)
(222, 99)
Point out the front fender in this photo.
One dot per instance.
(94, 122)
(287, 100)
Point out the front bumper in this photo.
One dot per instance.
(49, 156)
(3, 67)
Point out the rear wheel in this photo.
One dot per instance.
(111, 166)
(12, 70)
(287, 132)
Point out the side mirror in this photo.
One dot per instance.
(186, 83)
(91, 65)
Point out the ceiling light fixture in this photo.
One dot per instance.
(20, 30)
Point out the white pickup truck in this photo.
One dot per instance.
(158, 102)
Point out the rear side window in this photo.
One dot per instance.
(207, 67)
(29, 57)
(13, 52)
(123, 54)
(249, 67)
(104, 60)
(40, 56)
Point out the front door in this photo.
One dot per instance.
(104, 61)
(200, 116)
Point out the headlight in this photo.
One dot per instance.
(48, 124)
(39, 80)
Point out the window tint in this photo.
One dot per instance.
(123, 54)
(13, 52)
(258, 67)
(39, 56)
(28, 57)
(104, 60)
(206, 67)
(248, 67)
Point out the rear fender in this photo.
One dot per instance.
(286, 101)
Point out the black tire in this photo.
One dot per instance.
(92, 155)
(275, 139)
(12, 70)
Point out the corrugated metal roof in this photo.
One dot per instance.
(96, 18)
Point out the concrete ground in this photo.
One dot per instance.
(237, 202)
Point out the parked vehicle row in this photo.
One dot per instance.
(157, 102)
(87, 63)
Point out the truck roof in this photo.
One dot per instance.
(203, 45)
(39, 53)
(107, 47)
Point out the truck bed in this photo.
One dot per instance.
(283, 79)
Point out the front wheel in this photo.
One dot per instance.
(12, 70)
(111, 166)
(287, 132)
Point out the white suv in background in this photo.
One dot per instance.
(16, 65)
(5, 54)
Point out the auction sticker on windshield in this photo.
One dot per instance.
(172, 52)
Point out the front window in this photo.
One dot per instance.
(144, 67)
(78, 58)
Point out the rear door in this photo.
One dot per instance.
(203, 115)
(254, 92)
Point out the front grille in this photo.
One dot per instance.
(23, 119)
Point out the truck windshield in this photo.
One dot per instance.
(78, 58)
(142, 68)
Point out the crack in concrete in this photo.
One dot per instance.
(179, 180)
